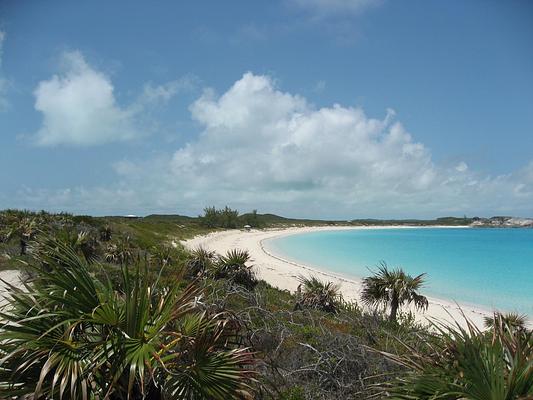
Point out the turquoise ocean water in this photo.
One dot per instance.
(489, 267)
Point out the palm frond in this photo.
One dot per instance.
(233, 266)
(320, 295)
(69, 335)
(393, 288)
(467, 363)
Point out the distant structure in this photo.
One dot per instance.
(247, 228)
(132, 216)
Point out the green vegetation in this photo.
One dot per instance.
(224, 218)
(320, 295)
(393, 288)
(233, 267)
(511, 320)
(467, 363)
(117, 306)
(70, 334)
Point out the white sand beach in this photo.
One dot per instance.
(283, 274)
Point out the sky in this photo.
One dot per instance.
(305, 108)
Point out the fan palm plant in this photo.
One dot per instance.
(24, 228)
(121, 252)
(393, 288)
(162, 256)
(69, 335)
(467, 363)
(200, 260)
(512, 321)
(83, 242)
(233, 266)
(314, 293)
(105, 233)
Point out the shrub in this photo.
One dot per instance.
(199, 261)
(232, 266)
(467, 363)
(320, 295)
(70, 335)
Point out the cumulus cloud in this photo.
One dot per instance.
(264, 148)
(259, 137)
(79, 107)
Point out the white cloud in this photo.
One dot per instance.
(79, 107)
(272, 150)
(258, 137)
(327, 8)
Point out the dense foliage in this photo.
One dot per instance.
(71, 335)
(220, 218)
(468, 363)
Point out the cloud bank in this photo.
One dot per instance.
(260, 147)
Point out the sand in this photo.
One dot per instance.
(283, 274)
(11, 277)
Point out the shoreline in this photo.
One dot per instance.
(283, 273)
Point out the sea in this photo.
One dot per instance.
(488, 267)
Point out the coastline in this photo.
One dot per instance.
(283, 273)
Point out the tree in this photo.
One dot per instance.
(393, 288)
(211, 217)
(229, 218)
(70, 335)
(252, 219)
(224, 218)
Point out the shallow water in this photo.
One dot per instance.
(489, 267)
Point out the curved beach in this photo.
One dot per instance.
(283, 273)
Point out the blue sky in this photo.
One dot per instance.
(338, 109)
